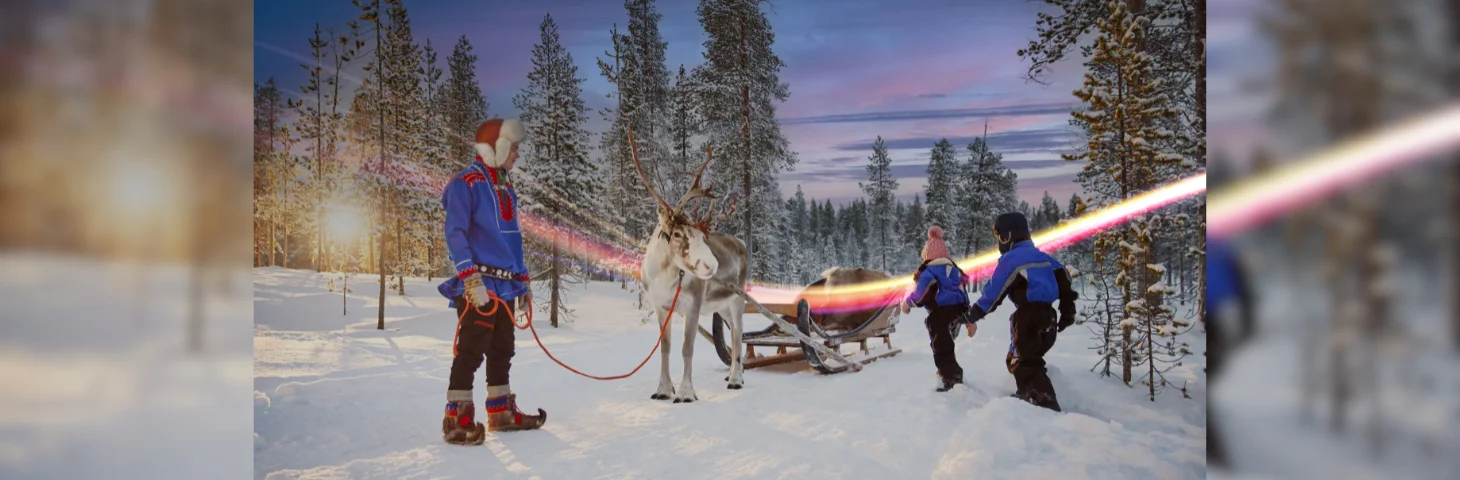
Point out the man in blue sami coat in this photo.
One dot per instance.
(485, 243)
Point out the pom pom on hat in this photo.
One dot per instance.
(936, 247)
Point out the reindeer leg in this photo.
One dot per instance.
(686, 392)
(666, 387)
(737, 369)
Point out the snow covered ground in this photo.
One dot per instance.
(1272, 434)
(95, 380)
(336, 398)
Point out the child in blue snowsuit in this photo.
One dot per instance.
(1226, 287)
(1033, 280)
(484, 240)
(940, 291)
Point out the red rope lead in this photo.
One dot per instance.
(498, 301)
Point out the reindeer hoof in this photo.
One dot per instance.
(735, 386)
(684, 400)
(660, 396)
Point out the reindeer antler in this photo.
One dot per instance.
(696, 190)
(710, 217)
(634, 151)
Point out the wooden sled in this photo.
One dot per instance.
(879, 325)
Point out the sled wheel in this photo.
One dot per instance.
(803, 323)
(717, 330)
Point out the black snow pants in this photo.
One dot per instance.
(477, 336)
(1216, 352)
(941, 332)
(1032, 330)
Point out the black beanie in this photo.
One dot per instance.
(1013, 227)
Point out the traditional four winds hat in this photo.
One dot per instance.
(495, 138)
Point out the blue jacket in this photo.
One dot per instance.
(1224, 278)
(482, 228)
(1227, 285)
(948, 278)
(1027, 275)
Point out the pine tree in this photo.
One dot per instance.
(685, 122)
(556, 156)
(900, 257)
(462, 103)
(880, 189)
(1175, 38)
(405, 144)
(915, 227)
(374, 100)
(798, 255)
(313, 126)
(1049, 212)
(646, 93)
(273, 165)
(1123, 117)
(634, 205)
(941, 208)
(436, 145)
(985, 189)
(739, 88)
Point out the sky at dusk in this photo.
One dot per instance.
(911, 71)
(1239, 58)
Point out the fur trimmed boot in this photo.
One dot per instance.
(503, 415)
(460, 427)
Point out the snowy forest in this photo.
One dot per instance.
(348, 174)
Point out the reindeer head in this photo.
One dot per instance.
(685, 237)
(687, 248)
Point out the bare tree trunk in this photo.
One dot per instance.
(1455, 244)
(273, 261)
(1109, 320)
(1125, 345)
(1153, 306)
(400, 254)
(195, 310)
(286, 247)
(1455, 200)
(745, 140)
(556, 278)
(380, 74)
(1199, 11)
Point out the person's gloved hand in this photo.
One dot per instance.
(476, 291)
(1066, 321)
(973, 315)
(972, 328)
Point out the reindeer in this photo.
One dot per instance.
(679, 246)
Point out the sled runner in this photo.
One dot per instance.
(831, 330)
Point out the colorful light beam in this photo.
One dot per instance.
(1250, 203)
(871, 295)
